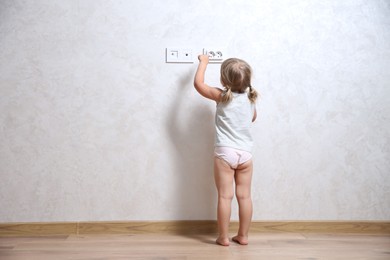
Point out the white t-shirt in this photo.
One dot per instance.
(233, 122)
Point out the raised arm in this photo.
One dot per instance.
(204, 89)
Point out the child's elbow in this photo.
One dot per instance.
(198, 86)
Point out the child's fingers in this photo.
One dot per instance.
(203, 57)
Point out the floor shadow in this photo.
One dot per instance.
(191, 132)
(204, 238)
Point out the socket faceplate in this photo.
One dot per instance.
(178, 55)
(216, 55)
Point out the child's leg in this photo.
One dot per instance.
(224, 176)
(243, 178)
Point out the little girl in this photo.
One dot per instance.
(235, 113)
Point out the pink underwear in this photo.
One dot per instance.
(233, 157)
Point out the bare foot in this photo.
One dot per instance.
(222, 241)
(240, 240)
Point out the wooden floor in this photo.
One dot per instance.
(270, 246)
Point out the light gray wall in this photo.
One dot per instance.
(96, 126)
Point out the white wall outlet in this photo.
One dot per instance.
(216, 55)
(178, 55)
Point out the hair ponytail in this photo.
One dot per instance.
(227, 95)
(252, 94)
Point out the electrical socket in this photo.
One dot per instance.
(216, 55)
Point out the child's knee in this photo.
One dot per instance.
(226, 196)
(243, 195)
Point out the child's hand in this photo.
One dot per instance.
(203, 58)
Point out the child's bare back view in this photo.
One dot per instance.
(235, 113)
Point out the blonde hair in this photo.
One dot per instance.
(236, 77)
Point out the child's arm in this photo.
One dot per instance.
(200, 86)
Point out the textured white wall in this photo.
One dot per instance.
(96, 126)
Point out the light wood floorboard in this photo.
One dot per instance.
(270, 246)
(185, 227)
